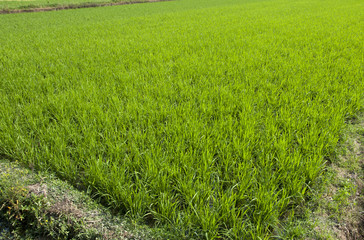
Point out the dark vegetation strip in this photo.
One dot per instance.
(74, 6)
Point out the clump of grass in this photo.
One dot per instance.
(211, 130)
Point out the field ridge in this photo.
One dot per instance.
(75, 6)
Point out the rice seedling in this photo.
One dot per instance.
(210, 118)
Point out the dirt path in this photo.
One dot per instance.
(75, 6)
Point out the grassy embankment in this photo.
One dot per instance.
(40, 206)
(210, 118)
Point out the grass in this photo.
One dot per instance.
(212, 119)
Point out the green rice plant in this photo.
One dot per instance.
(211, 118)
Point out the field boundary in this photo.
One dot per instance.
(38, 205)
(335, 209)
(75, 6)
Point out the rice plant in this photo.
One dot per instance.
(209, 118)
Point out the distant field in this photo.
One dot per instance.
(210, 118)
(9, 5)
